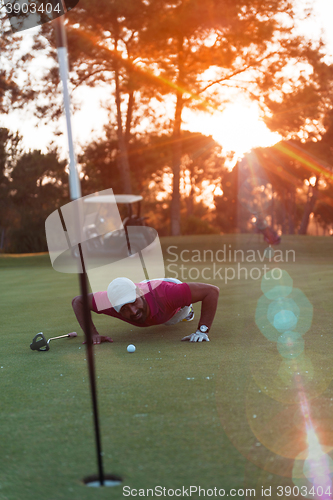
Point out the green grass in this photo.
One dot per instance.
(172, 414)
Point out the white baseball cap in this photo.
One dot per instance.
(121, 291)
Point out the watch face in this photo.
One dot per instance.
(203, 328)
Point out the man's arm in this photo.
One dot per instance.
(208, 295)
(77, 304)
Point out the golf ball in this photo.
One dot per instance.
(131, 348)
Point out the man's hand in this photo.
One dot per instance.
(98, 339)
(197, 337)
(77, 304)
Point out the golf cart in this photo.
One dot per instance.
(102, 231)
(129, 206)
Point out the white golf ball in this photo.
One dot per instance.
(131, 348)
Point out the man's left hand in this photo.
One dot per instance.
(197, 337)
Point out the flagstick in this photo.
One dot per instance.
(75, 193)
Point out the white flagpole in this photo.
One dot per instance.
(75, 193)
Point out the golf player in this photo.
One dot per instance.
(152, 302)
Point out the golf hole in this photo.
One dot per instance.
(109, 480)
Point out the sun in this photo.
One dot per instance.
(237, 129)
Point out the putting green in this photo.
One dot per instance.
(222, 414)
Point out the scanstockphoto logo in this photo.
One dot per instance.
(226, 263)
(26, 14)
(88, 235)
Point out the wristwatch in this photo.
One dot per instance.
(203, 329)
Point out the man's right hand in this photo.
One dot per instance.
(77, 304)
(98, 339)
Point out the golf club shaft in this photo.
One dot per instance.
(72, 334)
(60, 337)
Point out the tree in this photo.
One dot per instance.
(285, 176)
(201, 165)
(38, 187)
(15, 83)
(104, 50)
(245, 39)
(297, 180)
(163, 48)
(10, 150)
(323, 211)
(315, 173)
(150, 159)
(227, 209)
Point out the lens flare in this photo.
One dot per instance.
(276, 287)
(316, 470)
(290, 345)
(283, 314)
(280, 417)
(274, 317)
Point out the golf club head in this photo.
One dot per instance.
(39, 343)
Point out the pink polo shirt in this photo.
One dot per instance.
(164, 301)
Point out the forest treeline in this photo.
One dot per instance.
(284, 183)
(173, 55)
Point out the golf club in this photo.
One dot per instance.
(39, 342)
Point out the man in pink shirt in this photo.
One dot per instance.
(153, 302)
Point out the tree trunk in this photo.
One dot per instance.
(284, 231)
(291, 212)
(312, 198)
(190, 200)
(123, 163)
(176, 161)
(129, 116)
(177, 148)
(273, 209)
